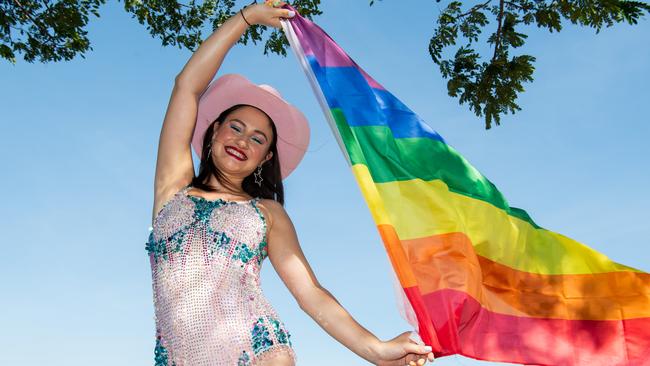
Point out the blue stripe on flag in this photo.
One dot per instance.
(346, 88)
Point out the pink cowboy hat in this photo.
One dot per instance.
(233, 89)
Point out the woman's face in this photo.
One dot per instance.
(242, 141)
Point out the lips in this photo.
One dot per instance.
(236, 153)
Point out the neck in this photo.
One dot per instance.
(236, 182)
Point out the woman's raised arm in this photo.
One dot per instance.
(174, 166)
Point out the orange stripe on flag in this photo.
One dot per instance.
(448, 261)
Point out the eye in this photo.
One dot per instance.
(258, 140)
(235, 127)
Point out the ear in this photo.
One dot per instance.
(268, 156)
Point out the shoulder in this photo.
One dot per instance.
(273, 212)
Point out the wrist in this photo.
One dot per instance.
(376, 350)
(250, 13)
(245, 17)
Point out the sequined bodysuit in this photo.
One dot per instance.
(209, 307)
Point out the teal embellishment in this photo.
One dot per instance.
(161, 357)
(220, 241)
(151, 246)
(243, 253)
(281, 334)
(159, 247)
(261, 249)
(244, 359)
(203, 208)
(261, 337)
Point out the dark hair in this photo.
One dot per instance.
(271, 187)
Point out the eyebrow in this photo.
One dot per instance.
(244, 123)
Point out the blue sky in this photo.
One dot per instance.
(78, 142)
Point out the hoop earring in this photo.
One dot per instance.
(258, 175)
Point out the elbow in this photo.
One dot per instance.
(311, 299)
(181, 82)
(302, 306)
(179, 79)
(303, 303)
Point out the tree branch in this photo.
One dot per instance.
(497, 38)
(43, 30)
(474, 8)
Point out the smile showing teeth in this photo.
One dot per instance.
(235, 153)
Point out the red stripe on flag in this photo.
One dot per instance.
(464, 327)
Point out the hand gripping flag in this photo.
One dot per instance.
(480, 278)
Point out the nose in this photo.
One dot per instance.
(242, 142)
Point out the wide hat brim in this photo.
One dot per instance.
(232, 89)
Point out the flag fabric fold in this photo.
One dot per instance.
(480, 277)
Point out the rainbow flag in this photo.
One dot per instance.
(480, 278)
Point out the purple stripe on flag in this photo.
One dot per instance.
(315, 42)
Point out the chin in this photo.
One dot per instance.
(234, 169)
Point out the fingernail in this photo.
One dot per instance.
(291, 13)
(427, 348)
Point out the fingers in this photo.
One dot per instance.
(281, 13)
(285, 13)
(272, 17)
(415, 360)
(417, 348)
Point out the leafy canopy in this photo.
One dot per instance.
(489, 83)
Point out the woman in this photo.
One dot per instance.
(211, 233)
